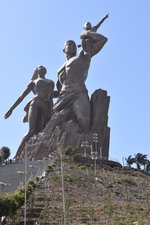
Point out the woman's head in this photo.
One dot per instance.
(40, 70)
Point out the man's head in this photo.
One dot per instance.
(70, 48)
(87, 26)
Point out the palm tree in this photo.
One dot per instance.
(145, 162)
(147, 167)
(0, 159)
(130, 160)
(140, 159)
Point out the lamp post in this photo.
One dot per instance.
(95, 153)
(85, 145)
(94, 157)
(101, 155)
(62, 182)
(21, 178)
(95, 140)
(2, 186)
(50, 158)
(25, 184)
(31, 176)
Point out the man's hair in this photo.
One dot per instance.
(69, 42)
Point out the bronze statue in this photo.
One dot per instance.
(89, 34)
(72, 92)
(38, 110)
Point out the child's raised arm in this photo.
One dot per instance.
(99, 24)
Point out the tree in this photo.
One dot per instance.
(4, 152)
(130, 160)
(0, 159)
(140, 159)
(147, 167)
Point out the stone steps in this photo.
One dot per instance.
(12, 175)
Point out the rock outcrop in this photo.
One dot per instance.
(67, 133)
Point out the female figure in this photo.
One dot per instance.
(38, 110)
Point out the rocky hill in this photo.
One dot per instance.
(89, 195)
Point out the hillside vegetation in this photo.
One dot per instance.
(79, 194)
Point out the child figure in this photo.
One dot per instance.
(89, 35)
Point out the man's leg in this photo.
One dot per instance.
(81, 109)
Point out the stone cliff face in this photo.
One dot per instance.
(99, 120)
(61, 131)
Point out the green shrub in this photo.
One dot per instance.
(8, 206)
(72, 154)
(50, 168)
(37, 179)
(126, 179)
(19, 198)
(13, 201)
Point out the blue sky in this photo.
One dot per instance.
(33, 33)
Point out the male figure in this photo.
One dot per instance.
(72, 92)
(38, 110)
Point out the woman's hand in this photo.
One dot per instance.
(8, 113)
